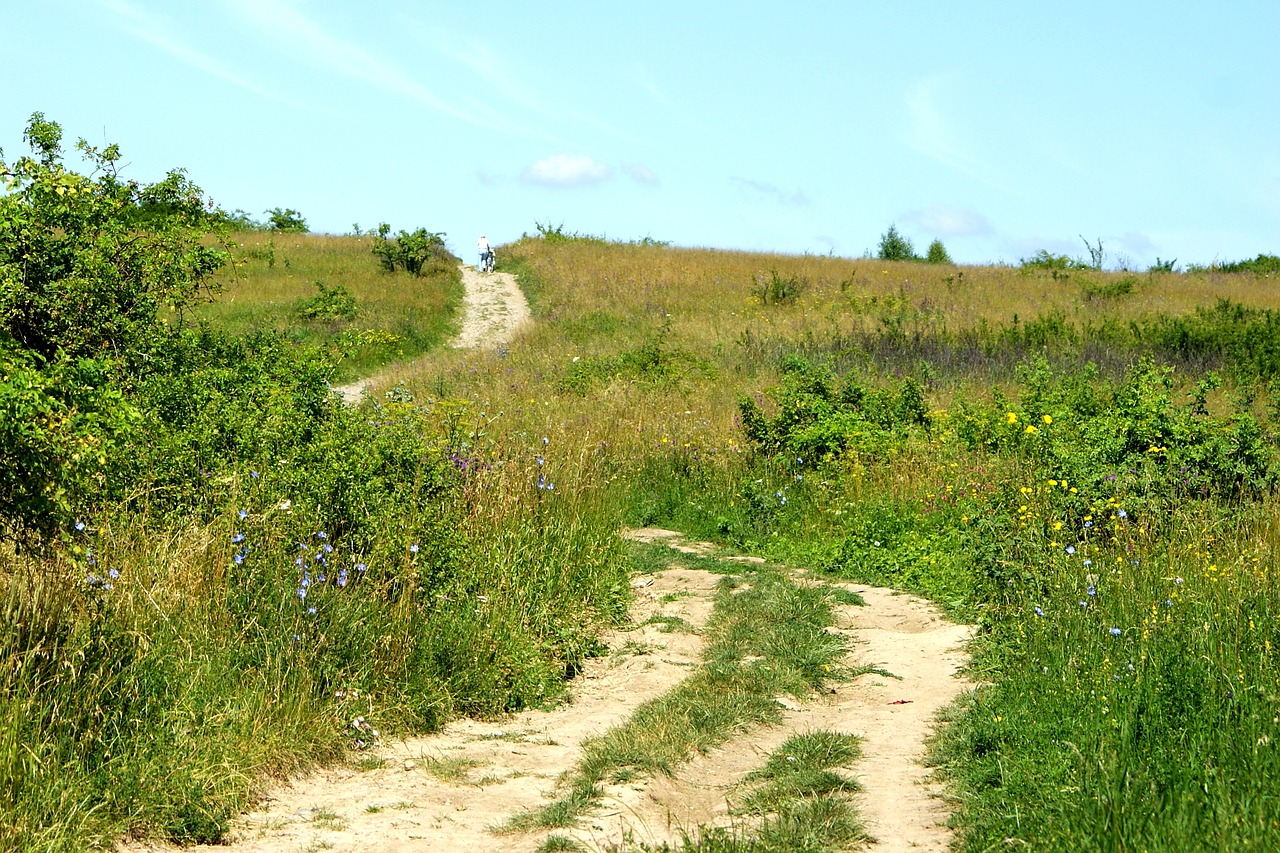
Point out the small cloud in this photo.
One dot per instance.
(1138, 243)
(487, 179)
(773, 193)
(566, 170)
(944, 220)
(641, 174)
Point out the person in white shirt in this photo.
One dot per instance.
(482, 246)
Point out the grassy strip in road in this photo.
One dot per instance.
(766, 638)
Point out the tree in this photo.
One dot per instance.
(286, 219)
(937, 253)
(895, 247)
(87, 262)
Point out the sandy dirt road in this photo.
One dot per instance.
(494, 309)
(453, 790)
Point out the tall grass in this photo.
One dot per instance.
(156, 706)
(393, 317)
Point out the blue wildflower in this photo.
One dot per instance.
(243, 514)
(1092, 590)
(545, 441)
(320, 534)
(1088, 524)
(362, 568)
(238, 558)
(1122, 514)
(79, 526)
(302, 593)
(253, 474)
(1038, 611)
(311, 611)
(1071, 549)
(113, 573)
(1088, 563)
(237, 539)
(1115, 632)
(541, 461)
(413, 549)
(342, 577)
(1168, 602)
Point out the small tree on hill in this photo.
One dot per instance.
(937, 253)
(895, 247)
(286, 219)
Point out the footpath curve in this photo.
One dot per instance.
(494, 309)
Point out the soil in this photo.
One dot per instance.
(455, 790)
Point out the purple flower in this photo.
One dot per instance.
(79, 526)
(237, 539)
(342, 577)
(1039, 612)
(253, 474)
(320, 534)
(113, 573)
(1092, 590)
(1122, 514)
(302, 593)
(362, 568)
(243, 514)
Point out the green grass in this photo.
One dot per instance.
(396, 316)
(797, 801)
(1064, 748)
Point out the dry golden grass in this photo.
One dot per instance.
(593, 300)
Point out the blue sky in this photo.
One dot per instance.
(1000, 128)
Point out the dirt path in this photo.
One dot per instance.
(449, 791)
(493, 309)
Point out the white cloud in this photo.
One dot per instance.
(566, 170)
(641, 174)
(932, 133)
(156, 32)
(285, 23)
(944, 220)
(794, 198)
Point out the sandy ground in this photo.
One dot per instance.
(494, 308)
(451, 791)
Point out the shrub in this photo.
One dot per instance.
(331, 303)
(937, 253)
(286, 219)
(778, 289)
(418, 253)
(895, 247)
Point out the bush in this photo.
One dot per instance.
(895, 247)
(286, 219)
(331, 303)
(937, 253)
(418, 253)
(86, 265)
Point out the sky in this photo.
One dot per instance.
(1000, 128)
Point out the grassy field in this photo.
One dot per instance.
(329, 292)
(1082, 463)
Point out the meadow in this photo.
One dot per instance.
(215, 574)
